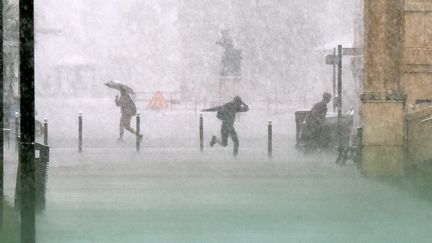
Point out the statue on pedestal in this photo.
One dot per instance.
(230, 74)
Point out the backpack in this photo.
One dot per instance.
(131, 106)
(223, 114)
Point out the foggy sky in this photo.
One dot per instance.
(169, 44)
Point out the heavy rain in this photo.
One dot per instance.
(215, 121)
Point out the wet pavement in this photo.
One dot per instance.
(180, 195)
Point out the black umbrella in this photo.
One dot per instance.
(120, 86)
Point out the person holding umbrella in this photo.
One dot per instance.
(227, 113)
(127, 108)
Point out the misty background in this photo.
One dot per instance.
(169, 46)
(170, 191)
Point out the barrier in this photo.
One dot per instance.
(41, 177)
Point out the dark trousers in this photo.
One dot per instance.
(228, 130)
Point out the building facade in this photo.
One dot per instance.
(397, 83)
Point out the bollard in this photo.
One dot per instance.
(17, 125)
(359, 145)
(45, 127)
(201, 133)
(7, 135)
(270, 137)
(138, 140)
(80, 130)
(339, 104)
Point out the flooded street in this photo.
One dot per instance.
(162, 195)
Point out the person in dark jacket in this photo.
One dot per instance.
(128, 110)
(227, 113)
(315, 122)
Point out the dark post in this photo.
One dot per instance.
(138, 140)
(27, 102)
(334, 79)
(339, 89)
(1, 117)
(7, 135)
(17, 131)
(359, 145)
(80, 130)
(270, 139)
(201, 133)
(45, 131)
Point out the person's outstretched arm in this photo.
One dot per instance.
(216, 108)
(244, 107)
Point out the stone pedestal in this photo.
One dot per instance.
(397, 90)
(229, 87)
(383, 150)
(383, 100)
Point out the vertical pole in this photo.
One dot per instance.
(339, 90)
(359, 145)
(17, 131)
(80, 130)
(45, 131)
(1, 117)
(27, 108)
(270, 139)
(8, 132)
(138, 139)
(334, 79)
(201, 133)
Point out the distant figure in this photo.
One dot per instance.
(128, 109)
(227, 113)
(315, 123)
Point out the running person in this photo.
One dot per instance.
(227, 113)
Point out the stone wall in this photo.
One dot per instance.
(397, 91)
(419, 130)
(417, 55)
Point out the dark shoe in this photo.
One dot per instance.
(213, 141)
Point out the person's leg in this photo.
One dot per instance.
(127, 122)
(325, 137)
(313, 139)
(234, 137)
(320, 138)
(121, 129)
(224, 136)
